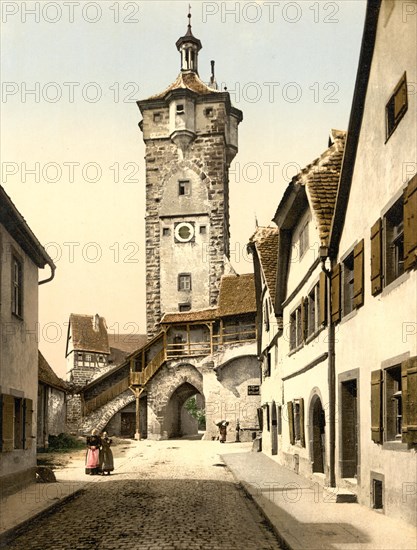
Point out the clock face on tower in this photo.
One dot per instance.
(184, 232)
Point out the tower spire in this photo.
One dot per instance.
(189, 46)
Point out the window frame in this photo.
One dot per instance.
(17, 289)
(391, 125)
(347, 280)
(185, 186)
(392, 386)
(392, 268)
(184, 307)
(184, 277)
(296, 329)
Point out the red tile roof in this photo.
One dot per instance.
(266, 241)
(189, 81)
(85, 337)
(47, 376)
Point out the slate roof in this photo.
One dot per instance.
(237, 295)
(266, 241)
(187, 81)
(47, 376)
(85, 338)
(321, 180)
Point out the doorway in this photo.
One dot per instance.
(349, 428)
(318, 435)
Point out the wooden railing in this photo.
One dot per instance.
(105, 396)
(142, 378)
(245, 334)
(188, 348)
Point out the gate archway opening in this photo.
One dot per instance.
(181, 419)
(318, 435)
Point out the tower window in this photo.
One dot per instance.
(166, 231)
(208, 112)
(184, 187)
(203, 229)
(184, 307)
(184, 281)
(180, 109)
(157, 117)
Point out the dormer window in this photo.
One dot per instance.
(157, 117)
(180, 109)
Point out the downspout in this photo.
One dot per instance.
(53, 268)
(331, 371)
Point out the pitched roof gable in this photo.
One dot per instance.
(47, 376)
(84, 335)
(266, 241)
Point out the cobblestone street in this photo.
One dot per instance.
(174, 494)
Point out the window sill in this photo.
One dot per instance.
(291, 352)
(315, 334)
(16, 316)
(349, 316)
(395, 446)
(396, 282)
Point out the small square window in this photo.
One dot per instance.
(203, 229)
(180, 109)
(166, 231)
(157, 117)
(184, 307)
(396, 106)
(184, 188)
(208, 112)
(184, 281)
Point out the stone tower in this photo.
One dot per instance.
(190, 131)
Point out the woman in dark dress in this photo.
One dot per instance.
(106, 455)
(92, 464)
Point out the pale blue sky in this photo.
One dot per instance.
(307, 49)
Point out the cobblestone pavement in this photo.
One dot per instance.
(174, 494)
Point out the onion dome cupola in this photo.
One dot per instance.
(189, 46)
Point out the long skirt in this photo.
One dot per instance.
(92, 460)
(106, 459)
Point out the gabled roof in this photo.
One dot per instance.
(17, 227)
(266, 241)
(355, 121)
(237, 295)
(320, 179)
(187, 81)
(84, 335)
(47, 376)
(122, 345)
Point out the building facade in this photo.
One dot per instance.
(339, 390)
(21, 256)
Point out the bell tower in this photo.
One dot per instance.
(190, 131)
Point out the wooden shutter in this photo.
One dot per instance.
(404, 401)
(376, 258)
(376, 405)
(358, 266)
(7, 423)
(400, 98)
(302, 433)
(409, 400)
(410, 224)
(304, 318)
(291, 421)
(28, 404)
(322, 298)
(335, 291)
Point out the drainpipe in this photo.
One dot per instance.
(53, 268)
(331, 372)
